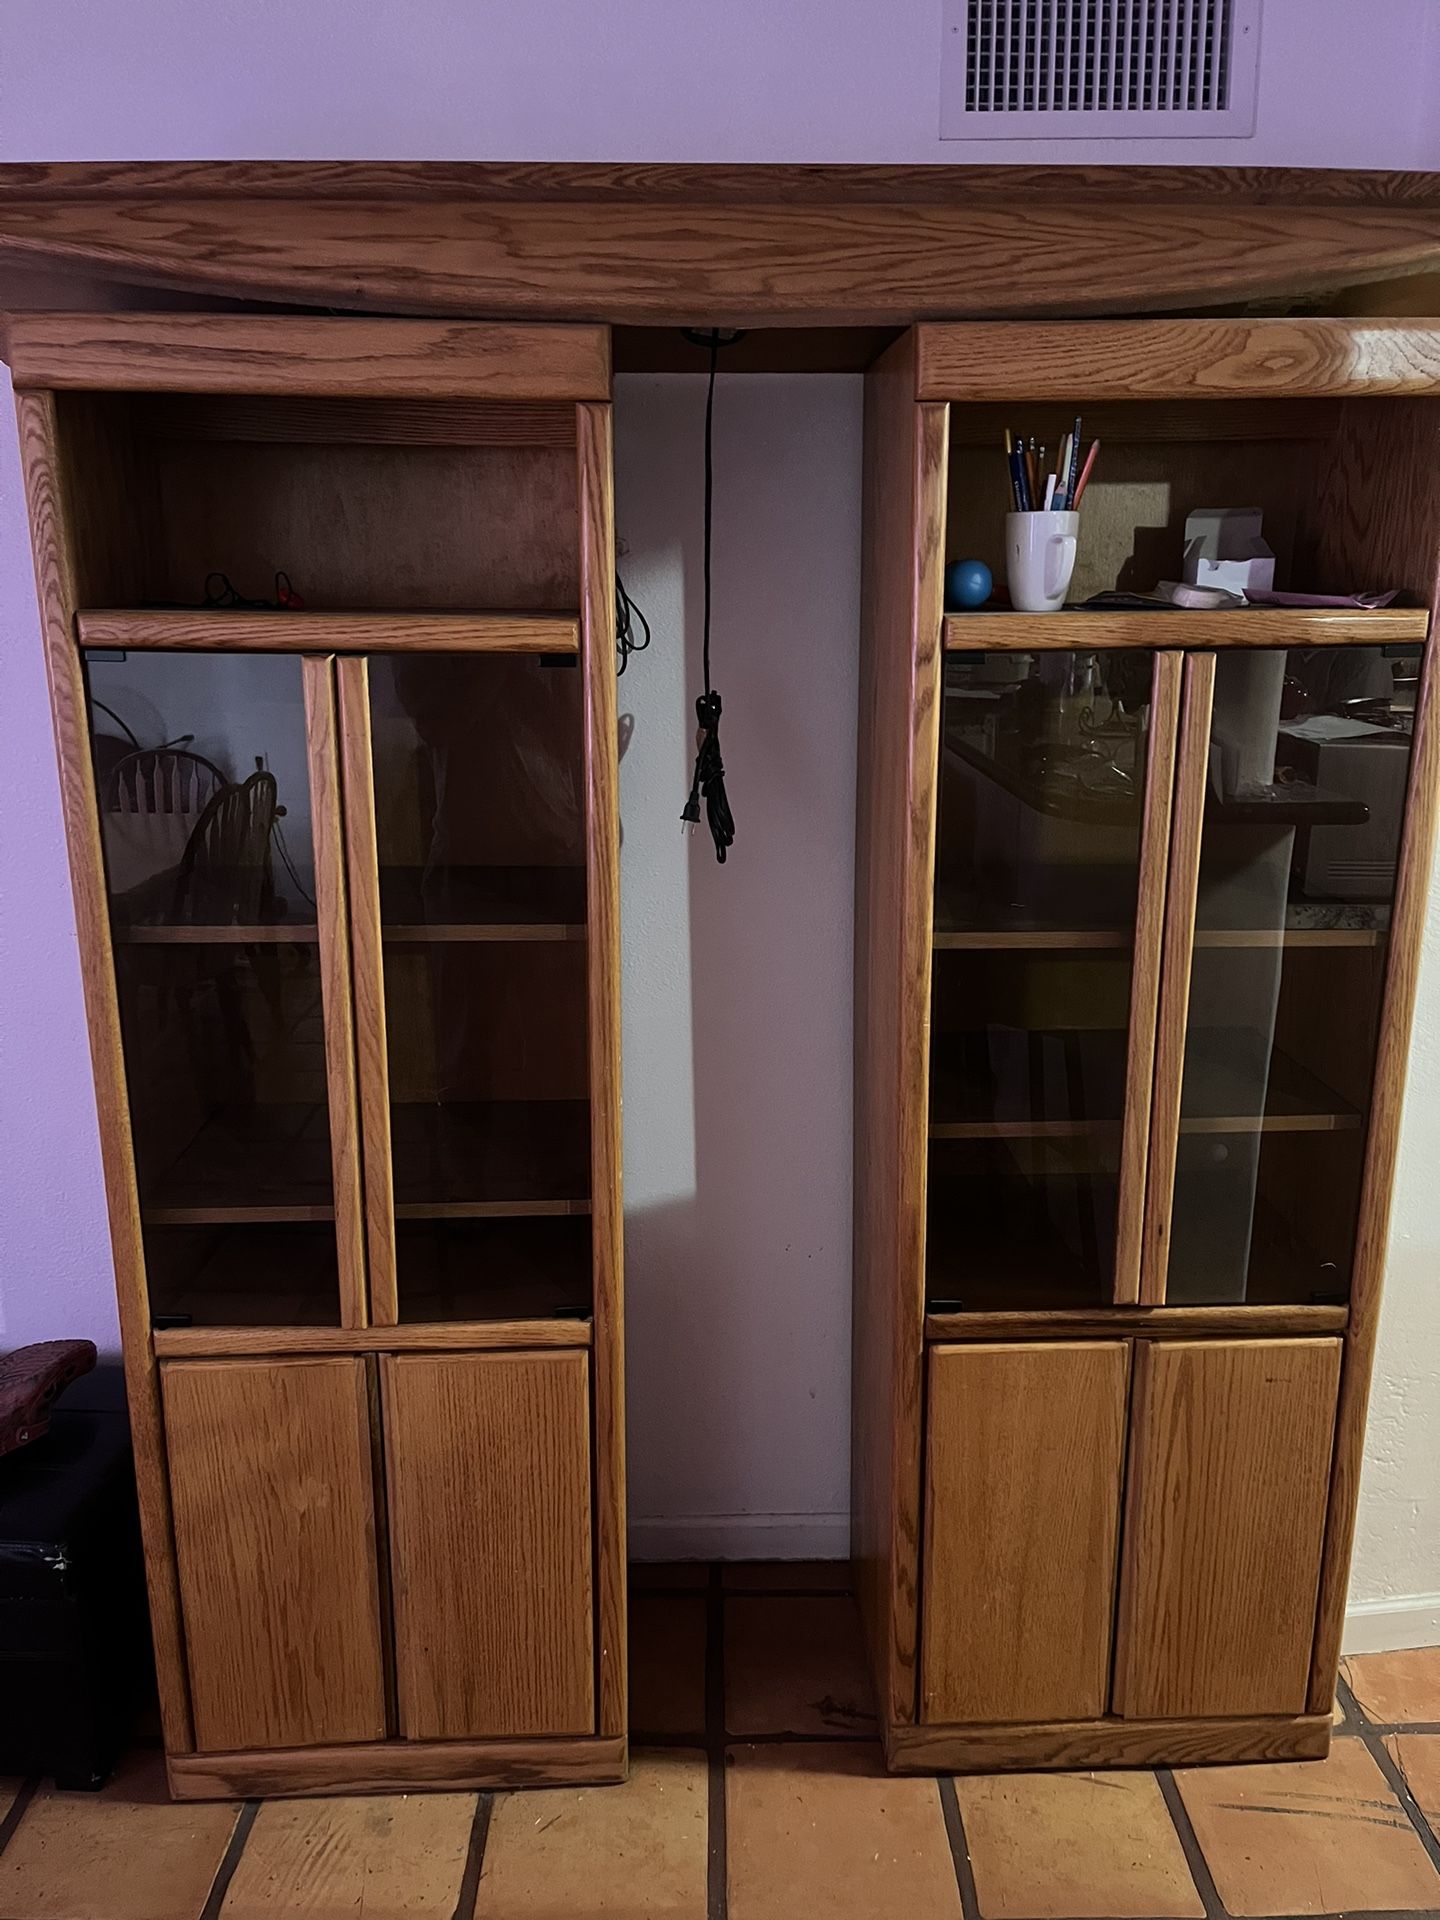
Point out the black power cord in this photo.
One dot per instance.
(709, 780)
(626, 614)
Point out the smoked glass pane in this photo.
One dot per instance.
(479, 789)
(480, 825)
(1308, 770)
(1042, 760)
(499, 1269)
(1042, 772)
(203, 789)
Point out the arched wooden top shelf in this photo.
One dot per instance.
(660, 245)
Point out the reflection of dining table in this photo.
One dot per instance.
(1068, 802)
(1295, 804)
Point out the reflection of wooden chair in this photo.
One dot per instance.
(225, 876)
(150, 803)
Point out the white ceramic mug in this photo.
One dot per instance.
(1039, 559)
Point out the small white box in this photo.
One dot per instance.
(1224, 548)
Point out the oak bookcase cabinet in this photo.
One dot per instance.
(1139, 901)
(345, 879)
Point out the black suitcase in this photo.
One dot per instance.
(75, 1658)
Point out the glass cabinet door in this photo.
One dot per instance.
(205, 771)
(1298, 770)
(1053, 808)
(479, 1089)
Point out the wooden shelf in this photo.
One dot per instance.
(206, 629)
(1290, 937)
(1029, 939)
(1183, 627)
(969, 1074)
(1086, 939)
(441, 1336)
(277, 934)
(506, 932)
(1070, 1322)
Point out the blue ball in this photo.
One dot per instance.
(967, 584)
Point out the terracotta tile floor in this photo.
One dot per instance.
(756, 1793)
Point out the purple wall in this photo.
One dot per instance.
(1341, 84)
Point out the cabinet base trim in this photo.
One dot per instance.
(1105, 1743)
(394, 1766)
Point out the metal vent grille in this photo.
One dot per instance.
(1117, 67)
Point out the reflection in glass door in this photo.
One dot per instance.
(466, 806)
(217, 789)
(1053, 811)
(1293, 784)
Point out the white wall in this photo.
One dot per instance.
(737, 979)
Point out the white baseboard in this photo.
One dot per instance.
(742, 1536)
(1385, 1626)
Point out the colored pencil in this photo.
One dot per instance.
(1073, 470)
(1085, 471)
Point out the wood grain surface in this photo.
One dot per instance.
(490, 1528)
(333, 922)
(1382, 511)
(372, 1059)
(1152, 876)
(1192, 761)
(275, 1534)
(206, 631)
(431, 1336)
(1102, 1744)
(50, 537)
(1160, 1322)
(284, 353)
(595, 486)
(1189, 628)
(1176, 359)
(844, 245)
(148, 181)
(1024, 1459)
(1224, 1526)
(401, 1766)
(902, 550)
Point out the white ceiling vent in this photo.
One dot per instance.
(1082, 69)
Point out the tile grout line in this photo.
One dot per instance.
(717, 1870)
(1354, 1719)
(1190, 1846)
(1399, 1786)
(959, 1847)
(24, 1794)
(230, 1860)
(474, 1858)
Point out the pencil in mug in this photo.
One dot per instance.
(1071, 473)
(1012, 461)
(1085, 472)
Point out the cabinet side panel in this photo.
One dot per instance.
(1381, 514)
(1224, 1526)
(489, 1488)
(1025, 1454)
(271, 1477)
(597, 662)
(55, 585)
(902, 567)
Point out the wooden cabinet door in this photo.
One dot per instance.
(271, 1483)
(490, 1526)
(1224, 1526)
(1025, 1457)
